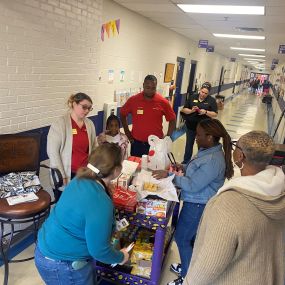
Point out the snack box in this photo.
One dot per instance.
(125, 199)
(124, 180)
(152, 207)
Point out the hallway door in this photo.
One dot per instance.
(191, 88)
(179, 77)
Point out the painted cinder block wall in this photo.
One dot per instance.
(52, 48)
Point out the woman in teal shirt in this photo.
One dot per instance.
(80, 226)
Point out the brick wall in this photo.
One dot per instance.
(48, 50)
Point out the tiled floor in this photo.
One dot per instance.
(240, 115)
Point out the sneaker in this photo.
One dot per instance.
(176, 268)
(178, 281)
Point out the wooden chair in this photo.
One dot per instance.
(20, 152)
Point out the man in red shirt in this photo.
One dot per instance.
(147, 110)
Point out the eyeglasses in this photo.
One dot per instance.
(234, 146)
(85, 107)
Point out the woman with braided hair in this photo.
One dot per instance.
(202, 178)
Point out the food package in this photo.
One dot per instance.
(148, 186)
(125, 199)
(141, 271)
(153, 207)
(141, 251)
(165, 188)
(124, 180)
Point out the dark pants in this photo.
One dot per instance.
(190, 139)
(186, 230)
(139, 148)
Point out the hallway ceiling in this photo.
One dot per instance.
(202, 26)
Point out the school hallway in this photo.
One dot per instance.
(242, 113)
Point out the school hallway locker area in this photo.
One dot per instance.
(53, 50)
(241, 114)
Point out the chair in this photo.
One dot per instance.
(20, 152)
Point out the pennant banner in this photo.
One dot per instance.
(111, 28)
(118, 25)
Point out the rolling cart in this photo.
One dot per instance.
(161, 247)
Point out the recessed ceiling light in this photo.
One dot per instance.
(254, 55)
(222, 9)
(257, 59)
(239, 36)
(251, 49)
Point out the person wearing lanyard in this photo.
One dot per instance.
(202, 178)
(197, 108)
(72, 137)
(147, 110)
(80, 226)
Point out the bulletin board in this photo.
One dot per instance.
(168, 75)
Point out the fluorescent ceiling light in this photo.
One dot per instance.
(251, 49)
(253, 55)
(257, 59)
(239, 36)
(222, 9)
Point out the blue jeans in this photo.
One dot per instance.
(186, 230)
(59, 272)
(190, 139)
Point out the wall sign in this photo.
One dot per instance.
(210, 49)
(203, 44)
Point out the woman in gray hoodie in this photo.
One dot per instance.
(241, 234)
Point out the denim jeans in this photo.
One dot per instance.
(59, 272)
(186, 230)
(190, 139)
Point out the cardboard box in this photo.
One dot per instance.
(125, 199)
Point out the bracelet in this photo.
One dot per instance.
(206, 112)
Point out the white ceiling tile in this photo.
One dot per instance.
(201, 26)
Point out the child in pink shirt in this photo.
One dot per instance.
(113, 135)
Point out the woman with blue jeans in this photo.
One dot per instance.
(202, 178)
(80, 226)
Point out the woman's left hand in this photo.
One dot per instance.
(159, 174)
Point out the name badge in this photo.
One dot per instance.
(74, 131)
(139, 112)
(195, 101)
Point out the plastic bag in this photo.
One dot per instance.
(159, 148)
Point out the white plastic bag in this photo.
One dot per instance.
(159, 148)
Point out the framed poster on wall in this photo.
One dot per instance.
(168, 75)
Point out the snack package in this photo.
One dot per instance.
(124, 180)
(125, 199)
(148, 186)
(141, 251)
(141, 271)
(152, 207)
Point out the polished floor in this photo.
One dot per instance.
(241, 114)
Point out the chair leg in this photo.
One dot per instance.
(4, 257)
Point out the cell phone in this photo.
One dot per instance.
(78, 264)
